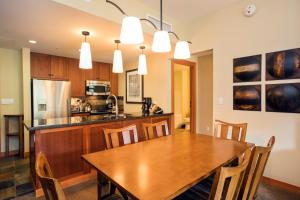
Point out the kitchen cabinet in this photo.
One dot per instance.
(93, 74)
(40, 65)
(77, 78)
(113, 82)
(45, 66)
(51, 67)
(59, 68)
(104, 71)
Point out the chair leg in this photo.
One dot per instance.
(112, 188)
(124, 195)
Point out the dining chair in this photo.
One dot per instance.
(155, 130)
(238, 131)
(255, 170)
(121, 136)
(227, 186)
(51, 187)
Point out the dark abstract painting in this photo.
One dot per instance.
(247, 69)
(247, 97)
(283, 98)
(283, 65)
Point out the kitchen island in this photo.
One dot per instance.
(65, 140)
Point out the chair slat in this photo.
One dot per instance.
(238, 130)
(154, 130)
(119, 137)
(255, 170)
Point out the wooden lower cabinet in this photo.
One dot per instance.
(64, 147)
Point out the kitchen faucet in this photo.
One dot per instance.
(114, 96)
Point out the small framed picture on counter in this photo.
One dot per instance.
(134, 87)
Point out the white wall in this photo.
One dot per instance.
(157, 84)
(274, 27)
(10, 87)
(205, 89)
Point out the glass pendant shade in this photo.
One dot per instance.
(131, 31)
(118, 62)
(142, 69)
(85, 56)
(182, 50)
(161, 42)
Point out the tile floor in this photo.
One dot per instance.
(14, 177)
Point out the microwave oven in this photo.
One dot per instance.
(97, 87)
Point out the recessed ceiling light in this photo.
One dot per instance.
(32, 41)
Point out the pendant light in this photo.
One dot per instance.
(131, 30)
(182, 48)
(142, 69)
(161, 41)
(118, 61)
(85, 61)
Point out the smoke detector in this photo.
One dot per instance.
(250, 10)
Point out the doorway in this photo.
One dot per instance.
(183, 95)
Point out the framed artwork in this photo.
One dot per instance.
(247, 97)
(247, 69)
(283, 98)
(283, 65)
(134, 87)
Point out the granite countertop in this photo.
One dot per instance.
(82, 120)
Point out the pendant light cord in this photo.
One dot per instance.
(161, 15)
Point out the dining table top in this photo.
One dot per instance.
(163, 168)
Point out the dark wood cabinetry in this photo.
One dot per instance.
(93, 74)
(40, 66)
(59, 68)
(113, 82)
(104, 69)
(77, 78)
(50, 67)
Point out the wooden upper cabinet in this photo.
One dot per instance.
(93, 74)
(59, 68)
(40, 65)
(105, 69)
(113, 82)
(77, 78)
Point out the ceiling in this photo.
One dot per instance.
(188, 10)
(57, 30)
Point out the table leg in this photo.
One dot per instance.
(100, 180)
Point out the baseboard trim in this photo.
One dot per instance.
(280, 184)
(10, 153)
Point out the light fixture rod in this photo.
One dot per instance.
(142, 48)
(144, 19)
(177, 37)
(118, 7)
(161, 15)
(117, 42)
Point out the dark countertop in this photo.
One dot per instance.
(82, 120)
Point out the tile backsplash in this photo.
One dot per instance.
(96, 103)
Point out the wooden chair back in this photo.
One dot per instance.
(154, 130)
(256, 169)
(51, 187)
(235, 176)
(238, 131)
(120, 137)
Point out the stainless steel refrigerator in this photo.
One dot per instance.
(50, 99)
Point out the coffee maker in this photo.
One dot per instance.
(147, 102)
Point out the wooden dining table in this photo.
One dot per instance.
(165, 167)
